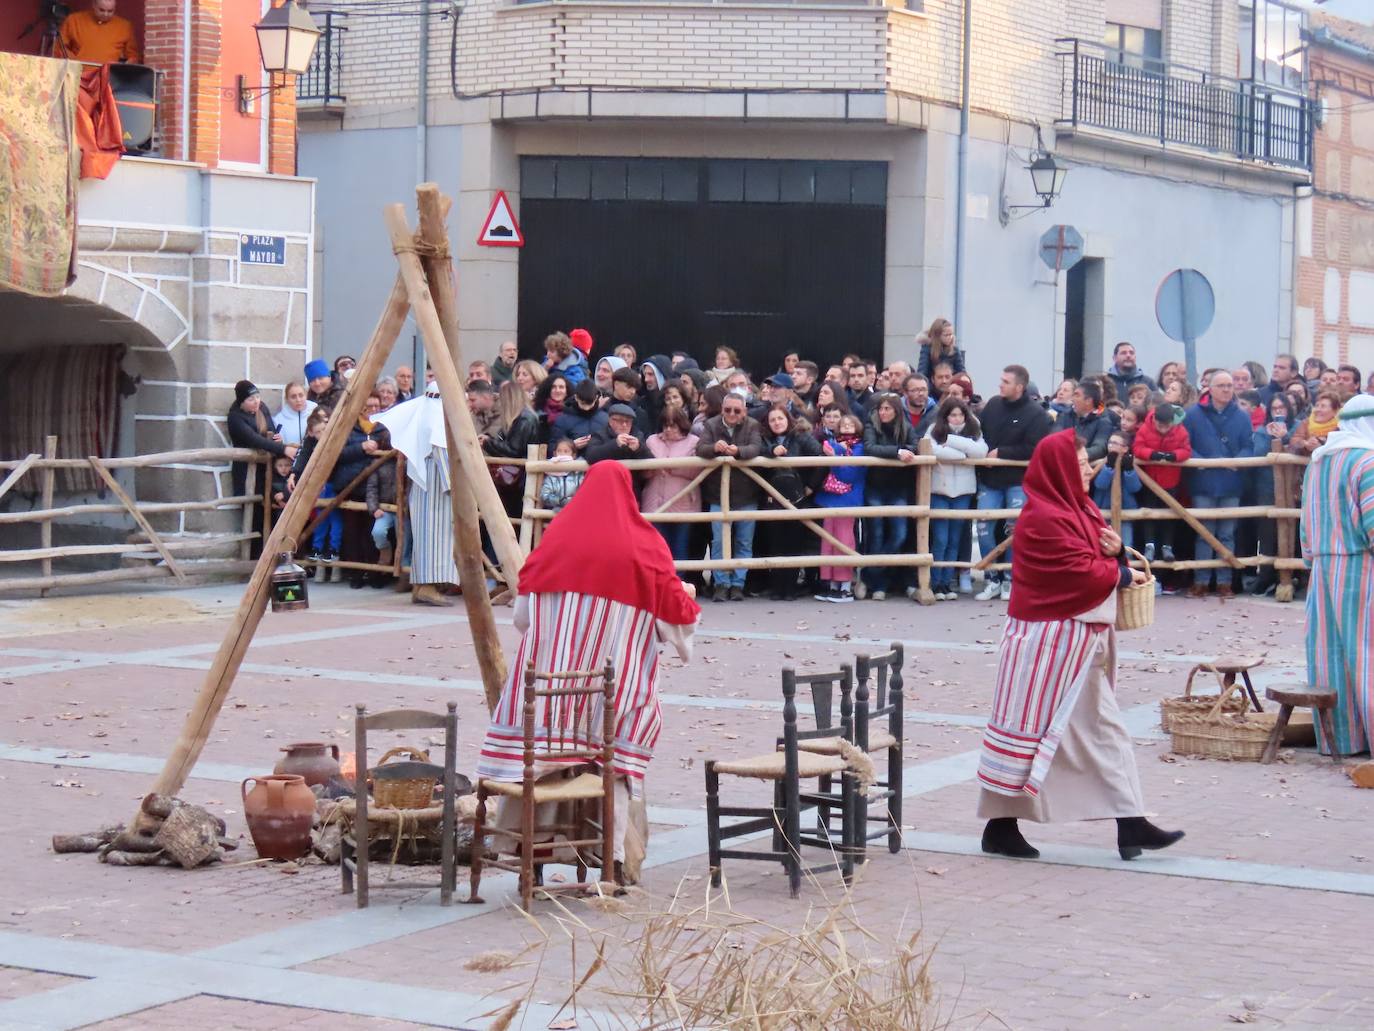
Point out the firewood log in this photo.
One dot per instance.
(128, 842)
(64, 843)
(158, 805)
(132, 858)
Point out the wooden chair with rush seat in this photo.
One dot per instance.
(577, 729)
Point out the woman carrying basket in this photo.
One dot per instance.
(1055, 747)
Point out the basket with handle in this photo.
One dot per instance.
(1135, 603)
(408, 785)
(1191, 703)
(1219, 734)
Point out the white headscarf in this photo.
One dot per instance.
(417, 428)
(1356, 430)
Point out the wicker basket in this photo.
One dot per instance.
(189, 836)
(1135, 605)
(1218, 734)
(402, 792)
(1197, 705)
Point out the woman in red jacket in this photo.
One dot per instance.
(1160, 443)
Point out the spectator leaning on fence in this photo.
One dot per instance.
(1217, 428)
(1118, 454)
(1012, 425)
(731, 434)
(295, 411)
(1160, 443)
(618, 439)
(955, 435)
(888, 435)
(842, 487)
(673, 440)
(784, 437)
(560, 482)
(1088, 419)
(381, 490)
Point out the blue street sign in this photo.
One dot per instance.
(262, 250)
(1061, 247)
(1185, 307)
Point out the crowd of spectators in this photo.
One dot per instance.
(626, 406)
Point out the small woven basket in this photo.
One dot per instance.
(1135, 605)
(189, 836)
(402, 792)
(1218, 734)
(1197, 704)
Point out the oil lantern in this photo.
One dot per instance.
(288, 585)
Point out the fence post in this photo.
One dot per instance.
(726, 541)
(1283, 498)
(245, 545)
(45, 531)
(924, 475)
(266, 497)
(533, 481)
(1116, 495)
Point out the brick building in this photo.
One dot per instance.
(161, 291)
(1335, 313)
(777, 176)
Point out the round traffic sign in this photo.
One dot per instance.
(1185, 304)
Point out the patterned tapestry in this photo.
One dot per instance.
(39, 164)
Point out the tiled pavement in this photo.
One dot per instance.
(1261, 915)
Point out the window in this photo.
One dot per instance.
(1269, 44)
(1134, 47)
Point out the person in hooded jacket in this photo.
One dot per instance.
(365, 439)
(580, 420)
(1217, 428)
(1088, 419)
(561, 356)
(887, 435)
(785, 437)
(654, 375)
(1160, 443)
(606, 368)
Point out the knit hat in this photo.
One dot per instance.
(243, 390)
(582, 340)
(317, 369)
(1167, 415)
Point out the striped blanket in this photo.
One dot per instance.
(579, 631)
(1041, 669)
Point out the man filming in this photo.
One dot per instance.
(99, 36)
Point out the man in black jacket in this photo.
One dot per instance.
(618, 438)
(1094, 426)
(1012, 425)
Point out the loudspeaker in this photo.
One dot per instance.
(135, 92)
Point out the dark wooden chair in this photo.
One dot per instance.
(580, 714)
(878, 716)
(1290, 696)
(784, 768)
(1232, 666)
(354, 842)
(832, 707)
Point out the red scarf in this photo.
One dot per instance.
(600, 545)
(1058, 571)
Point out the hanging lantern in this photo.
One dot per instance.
(288, 585)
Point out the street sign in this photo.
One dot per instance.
(1061, 247)
(1185, 307)
(500, 229)
(262, 250)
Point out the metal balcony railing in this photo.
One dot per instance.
(1141, 96)
(323, 80)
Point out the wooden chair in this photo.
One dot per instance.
(1230, 667)
(1290, 695)
(878, 730)
(353, 845)
(828, 690)
(567, 734)
(785, 768)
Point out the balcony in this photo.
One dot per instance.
(1142, 97)
(318, 90)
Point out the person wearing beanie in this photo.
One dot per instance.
(582, 340)
(250, 426)
(581, 419)
(320, 381)
(1161, 442)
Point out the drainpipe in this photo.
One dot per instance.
(421, 152)
(961, 178)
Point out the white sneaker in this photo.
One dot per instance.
(1006, 590)
(911, 593)
(842, 597)
(965, 583)
(879, 596)
(990, 590)
(951, 596)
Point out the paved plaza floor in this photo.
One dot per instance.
(1261, 915)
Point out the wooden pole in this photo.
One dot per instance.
(225, 666)
(1116, 494)
(466, 469)
(144, 525)
(924, 476)
(811, 524)
(456, 414)
(1173, 504)
(250, 480)
(18, 472)
(726, 529)
(266, 498)
(1284, 476)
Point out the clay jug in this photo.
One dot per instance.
(280, 810)
(316, 761)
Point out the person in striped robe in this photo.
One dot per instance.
(1338, 543)
(1055, 747)
(600, 585)
(417, 431)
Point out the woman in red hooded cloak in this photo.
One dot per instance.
(1055, 747)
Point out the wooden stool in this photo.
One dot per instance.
(1240, 665)
(1291, 695)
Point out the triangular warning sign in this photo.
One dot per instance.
(500, 229)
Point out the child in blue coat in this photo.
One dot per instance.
(1117, 452)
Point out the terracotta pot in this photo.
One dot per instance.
(280, 810)
(316, 761)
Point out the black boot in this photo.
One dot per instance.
(1001, 837)
(1135, 833)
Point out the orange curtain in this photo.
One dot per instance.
(98, 132)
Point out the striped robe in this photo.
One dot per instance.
(1338, 542)
(431, 525)
(580, 631)
(1041, 670)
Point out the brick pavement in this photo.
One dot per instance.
(1040, 945)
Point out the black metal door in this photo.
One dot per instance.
(763, 278)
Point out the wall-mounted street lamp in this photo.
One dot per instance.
(1047, 179)
(286, 41)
